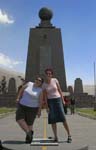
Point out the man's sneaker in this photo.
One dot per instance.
(69, 140)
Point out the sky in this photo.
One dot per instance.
(75, 18)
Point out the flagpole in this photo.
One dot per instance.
(94, 87)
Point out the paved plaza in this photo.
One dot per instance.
(83, 132)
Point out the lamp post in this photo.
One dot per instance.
(94, 88)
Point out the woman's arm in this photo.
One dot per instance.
(40, 104)
(45, 99)
(60, 91)
(20, 93)
(40, 100)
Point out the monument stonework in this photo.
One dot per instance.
(78, 86)
(12, 85)
(45, 50)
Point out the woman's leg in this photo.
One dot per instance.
(23, 125)
(30, 127)
(54, 128)
(27, 129)
(66, 127)
(31, 130)
(68, 131)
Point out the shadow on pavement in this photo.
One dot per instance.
(2, 147)
(13, 142)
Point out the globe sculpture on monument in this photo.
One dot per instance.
(45, 50)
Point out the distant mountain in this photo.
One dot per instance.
(8, 73)
(89, 89)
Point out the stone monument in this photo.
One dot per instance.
(45, 50)
(78, 86)
(12, 86)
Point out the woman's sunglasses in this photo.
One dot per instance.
(49, 73)
(39, 79)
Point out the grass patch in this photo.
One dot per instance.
(87, 111)
(6, 110)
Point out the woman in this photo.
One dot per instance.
(53, 94)
(65, 106)
(29, 101)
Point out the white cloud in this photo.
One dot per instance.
(4, 18)
(7, 62)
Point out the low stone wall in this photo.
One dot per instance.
(8, 100)
(84, 100)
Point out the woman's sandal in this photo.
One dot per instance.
(69, 140)
(55, 139)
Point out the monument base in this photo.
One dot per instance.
(43, 142)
